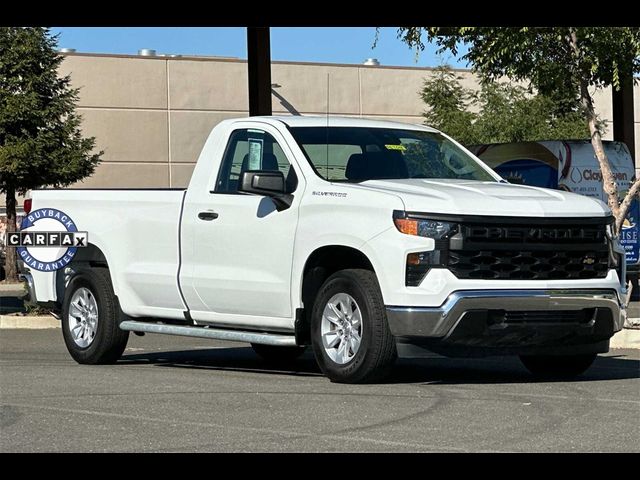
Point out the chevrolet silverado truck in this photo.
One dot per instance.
(346, 235)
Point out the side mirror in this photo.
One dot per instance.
(262, 182)
(269, 183)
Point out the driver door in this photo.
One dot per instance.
(242, 252)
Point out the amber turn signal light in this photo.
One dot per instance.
(407, 226)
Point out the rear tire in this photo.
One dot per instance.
(557, 366)
(274, 354)
(350, 301)
(103, 341)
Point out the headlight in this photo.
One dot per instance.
(422, 227)
(617, 254)
(418, 264)
(610, 229)
(615, 248)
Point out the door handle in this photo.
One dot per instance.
(207, 216)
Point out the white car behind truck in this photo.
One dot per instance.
(348, 235)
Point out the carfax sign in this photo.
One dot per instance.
(48, 239)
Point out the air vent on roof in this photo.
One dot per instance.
(371, 61)
(147, 52)
(67, 50)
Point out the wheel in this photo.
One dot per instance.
(274, 354)
(558, 366)
(90, 319)
(349, 331)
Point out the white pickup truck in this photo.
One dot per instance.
(348, 235)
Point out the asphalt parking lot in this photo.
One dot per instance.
(183, 394)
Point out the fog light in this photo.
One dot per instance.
(419, 264)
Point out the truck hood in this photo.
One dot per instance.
(470, 197)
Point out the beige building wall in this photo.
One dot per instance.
(151, 115)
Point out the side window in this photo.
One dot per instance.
(250, 149)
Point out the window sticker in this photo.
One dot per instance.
(255, 153)
(402, 148)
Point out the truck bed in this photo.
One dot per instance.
(138, 230)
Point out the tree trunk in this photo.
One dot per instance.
(609, 184)
(11, 266)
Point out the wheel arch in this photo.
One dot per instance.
(321, 263)
(90, 256)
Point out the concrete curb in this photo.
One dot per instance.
(31, 323)
(626, 338)
(7, 286)
(14, 288)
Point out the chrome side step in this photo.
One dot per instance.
(207, 332)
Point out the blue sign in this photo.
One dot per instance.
(629, 233)
(529, 172)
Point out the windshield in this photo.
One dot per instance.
(354, 154)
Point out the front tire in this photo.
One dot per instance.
(557, 366)
(349, 331)
(90, 319)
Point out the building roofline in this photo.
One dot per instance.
(199, 58)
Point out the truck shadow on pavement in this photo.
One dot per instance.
(239, 359)
(435, 370)
(503, 370)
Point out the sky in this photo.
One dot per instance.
(310, 44)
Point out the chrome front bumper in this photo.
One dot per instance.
(437, 322)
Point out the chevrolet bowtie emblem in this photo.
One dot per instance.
(589, 260)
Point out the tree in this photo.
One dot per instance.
(499, 112)
(40, 138)
(449, 105)
(559, 62)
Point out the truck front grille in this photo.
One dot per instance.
(528, 264)
(571, 249)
